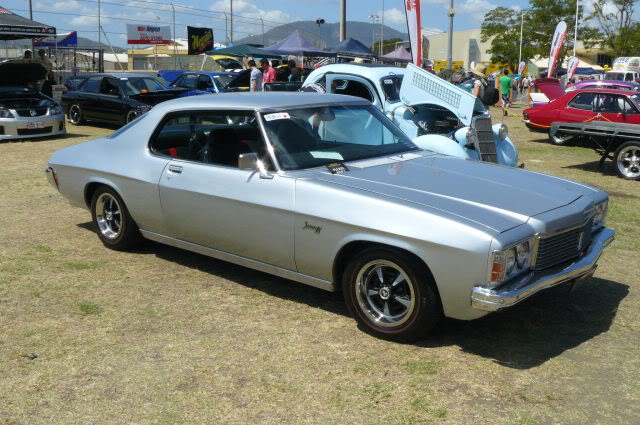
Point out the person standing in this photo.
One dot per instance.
(255, 78)
(294, 72)
(268, 73)
(505, 92)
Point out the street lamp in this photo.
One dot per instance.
(451, 14)
(374, 19)
(155, 59)
(319, 22)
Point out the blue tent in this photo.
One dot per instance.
(297, 45)
(352, 47)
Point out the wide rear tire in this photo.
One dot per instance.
(116, 229)
(626, 160)
(391, 294)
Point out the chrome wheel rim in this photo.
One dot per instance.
(132, 115)
(74, 114)
(560, 140)
(385, 293)
(108, 216)
(629, 162)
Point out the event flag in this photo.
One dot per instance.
(521, 67)
(412, 10)
(556, 46)
(148, 34)
(572, 67)
(200, 40)
(63, 40)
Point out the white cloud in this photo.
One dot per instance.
(393, 17)
(476, 7)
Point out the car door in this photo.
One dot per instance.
(109, 105)
(205, 83)
(86, 97)
(207, 200)
(353, 85)
(580, 108)
(616, 108)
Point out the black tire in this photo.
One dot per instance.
(131, 115)
(559, 139)
(114, 225)
(76, 116)
(626, 160)
(413, 317)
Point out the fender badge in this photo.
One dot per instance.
(307, 226)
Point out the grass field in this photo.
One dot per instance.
(164, 336)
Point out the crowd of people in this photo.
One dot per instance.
(266, 73)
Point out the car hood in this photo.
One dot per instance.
(550, 87)
(420, 87)
(155, 97)
(494, 196)
(20, 73)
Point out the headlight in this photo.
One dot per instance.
(503, 132)
(55, 110)
(510, 262)
(600, 215)
(5, 113)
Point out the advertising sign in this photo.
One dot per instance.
(200, 40)
(572, 67)
(69, 39)
(521, 67)
(148, 34)
(556, 47)
(412, 10)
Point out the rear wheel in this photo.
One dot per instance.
(559, 139)
(116, 229)
(131, 115)
(626, 160)
(75, 115)
(391, 295)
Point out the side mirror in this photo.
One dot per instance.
(248, 161)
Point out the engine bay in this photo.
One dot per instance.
(430, 119)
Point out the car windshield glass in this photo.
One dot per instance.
(229, 64)
(636, 100)
(223, 80)
(141, 85)
(618, 76)
(391, 87)
(311, 137)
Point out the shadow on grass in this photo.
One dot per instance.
(521, 337)
(592, 166)
(539, 328)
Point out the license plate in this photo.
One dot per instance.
(37, 124)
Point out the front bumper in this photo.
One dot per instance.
(18, 128)
(513, 292)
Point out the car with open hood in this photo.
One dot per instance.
(25, 112)
(434, 113)
(326, 190)
(116, 98)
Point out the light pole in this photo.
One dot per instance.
(374, 20)
(575, 33)
(521, 27)
(231, 21)
(343, 19)
(451, 14)
(99, 24)
(319, 22)
(155, 59)
(382, 29)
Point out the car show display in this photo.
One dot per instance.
(24, 111)
(436, 114)
(326, 190)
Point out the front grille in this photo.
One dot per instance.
(563, 247)
(27, 112)
(486, 144)
(32, 131)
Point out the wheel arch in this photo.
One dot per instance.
(348, 250)
(91, 187)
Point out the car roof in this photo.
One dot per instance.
(603, 90)
(370, 71)
(212, 73)
(257, 101)
(121, 75)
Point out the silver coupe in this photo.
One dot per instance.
(325, 190)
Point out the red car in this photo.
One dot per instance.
(585, 105)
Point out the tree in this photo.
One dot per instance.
(618, 32)
(502, 26)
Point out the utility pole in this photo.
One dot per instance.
(575, 34)
(382, 30)
(451, 14)
(521, 27)
(374, 20)
(231, 26)
(343, 19)
(30, 17)
(175, 36)
(262, 22)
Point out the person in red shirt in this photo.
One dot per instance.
(268, 73)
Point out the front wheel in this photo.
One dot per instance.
(627, 160)
(75, 115)
(116, 229)
(391, 295)
(559, 139)
(131, 115)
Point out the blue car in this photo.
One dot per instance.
(208, 81)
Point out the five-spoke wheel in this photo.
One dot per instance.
(627, 160)
(75, 115)
(116, 228)
(391, 294)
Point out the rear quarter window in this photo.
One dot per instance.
(582, 101)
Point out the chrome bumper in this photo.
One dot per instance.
(510, 294)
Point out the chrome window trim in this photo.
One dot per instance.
(267, 141)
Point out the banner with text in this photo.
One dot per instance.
(412, 10)
(69, 39)
(148, 34)
(200, 40)
(572, 67)
(556, 47)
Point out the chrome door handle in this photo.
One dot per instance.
(175, 169)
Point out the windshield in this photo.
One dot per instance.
(636, 100)
(312, 137)
(391, 87)
(134, 86)
(229, 63)
(223, 80)
(619, 76)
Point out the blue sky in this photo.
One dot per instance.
(81, 15)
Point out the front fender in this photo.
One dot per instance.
(441, 144)
(507, 152)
